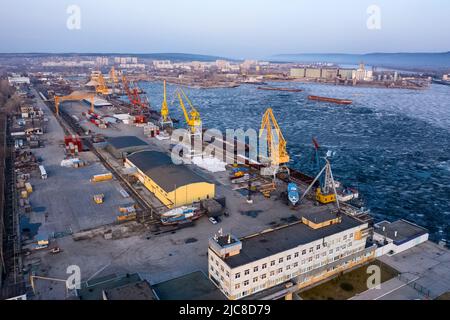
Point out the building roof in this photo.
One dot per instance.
(319, 217)
(93, 289)
(133, 291)
(286, 238)
(405, 230)
(160, 168)
(126, 142)
(192, 286)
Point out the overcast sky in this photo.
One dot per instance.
(232, 28)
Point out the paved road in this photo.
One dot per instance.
(425, 274)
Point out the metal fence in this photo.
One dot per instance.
(416, 286)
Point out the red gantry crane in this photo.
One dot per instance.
(141, 105)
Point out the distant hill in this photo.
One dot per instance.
(416, 61)
(156, 56)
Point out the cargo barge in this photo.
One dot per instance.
(280, 89)
(332, 100)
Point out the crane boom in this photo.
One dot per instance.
(276, 149)
(192, 117)
(74, 96)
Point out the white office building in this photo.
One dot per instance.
(303, 253)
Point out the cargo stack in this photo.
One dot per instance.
(73, 144)
(127, 213)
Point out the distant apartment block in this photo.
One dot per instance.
(162, 64)
(102, 61)
(125, 60)
(16, 79)
(360, 74)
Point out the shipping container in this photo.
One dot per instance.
(102, 177)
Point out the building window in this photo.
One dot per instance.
(295, 264)
(237, 286)
(288, 257)
(303, 251)
(310, 259)
(217, 263)
(280, 260)
(247, 272)
(272, 263)
(345, 237)
(288, 267)
(255, 279)
(263, 276)
(351, 235)
(296, 255)
(255, 269)
(331, 251)
(221, 268)
(228, 274)
(246, 282)
(237, 275)
(317, 256)
(280, 270)
(272, 273)
(318, 247)
(264, 266)
(311, 249)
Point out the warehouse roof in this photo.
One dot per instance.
(126, 142)
(284, 239)
(159, 167)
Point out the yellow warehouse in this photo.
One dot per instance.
(174, 185)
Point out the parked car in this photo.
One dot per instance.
(212, 220)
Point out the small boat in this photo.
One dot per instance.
(280, 89)
(332, 100)
(347, 194)
(293, 194)
(180, 215)
(183, 210)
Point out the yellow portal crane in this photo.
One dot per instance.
(113, 76)
(76, 95)
(165, 118)
(192, 117)
(102, 87)
(276, 148)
